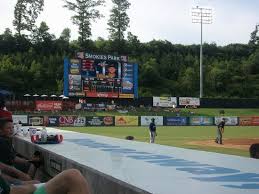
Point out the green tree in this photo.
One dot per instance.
(26, 13)
(84, 13)
(119, 19)
(254, 36)
(66, 35)
(42, 34)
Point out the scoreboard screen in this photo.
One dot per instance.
(106, 76)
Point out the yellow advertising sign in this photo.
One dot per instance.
(126, 96)
(126, 121)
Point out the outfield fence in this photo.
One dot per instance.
(94, 121)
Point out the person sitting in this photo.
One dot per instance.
(3, 112)
(15, 176)
(67, 182)
(254, 151)
(9, 158)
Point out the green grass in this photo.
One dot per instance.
(160, 112)
(177, 136)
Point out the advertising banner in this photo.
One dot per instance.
(53, 121)
(75, 83)
(100, 121)
(146, 120)
(175, 121)
(202, 121)
(164, 101)
(79, 121)
(36, 120)
(66, 121)
(249, 121)
(187, 101)
(20, 118)
(126, 121)
(231, 121)
(74, 67)
(128, 78)
(42, 105)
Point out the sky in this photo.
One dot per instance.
(233, 20)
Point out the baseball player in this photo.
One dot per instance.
(220, 131)
(152, 130)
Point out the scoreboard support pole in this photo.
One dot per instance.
(66, 67)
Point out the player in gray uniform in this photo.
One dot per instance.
(220, 131)
(152, 130)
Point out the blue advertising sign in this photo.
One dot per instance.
(53, 121)
(175, 121)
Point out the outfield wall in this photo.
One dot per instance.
(117, 166)
(124, 121)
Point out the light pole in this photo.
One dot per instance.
(201, 16)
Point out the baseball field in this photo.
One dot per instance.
(236, 139)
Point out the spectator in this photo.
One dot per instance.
(8, 154)
(67, 182)
(254, 151)
(14, 176)
(4, 113)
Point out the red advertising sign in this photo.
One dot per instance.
(249, 121)
(65, 121)
(48, 105)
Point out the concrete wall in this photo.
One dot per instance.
(55, 163)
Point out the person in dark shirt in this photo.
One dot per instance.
(8, 156)
(3, 112)
(152, 130)
(220, 131)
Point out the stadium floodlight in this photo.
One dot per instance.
(201, 16)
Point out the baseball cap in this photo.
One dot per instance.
(6, 114)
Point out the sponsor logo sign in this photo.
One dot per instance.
(48, 105)
(229, 120)
(79, 122)
(184, 101)
(201, 121)
(36, 120)
(146, 120)
(126, 121)
(66, 121)
(175, 121)
(100, 121)
(165, 101)
(20, 118)
(53, 121)
(249, 121)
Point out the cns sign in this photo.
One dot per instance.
(103, 76)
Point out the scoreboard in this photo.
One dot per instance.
(104, 76)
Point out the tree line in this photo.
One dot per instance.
(31, 58)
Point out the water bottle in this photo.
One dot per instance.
(44, 134)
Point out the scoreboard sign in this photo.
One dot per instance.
(104, 76)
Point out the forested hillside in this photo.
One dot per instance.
(31, 58)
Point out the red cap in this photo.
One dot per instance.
(6, 114)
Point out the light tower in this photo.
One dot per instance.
(201, 16)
